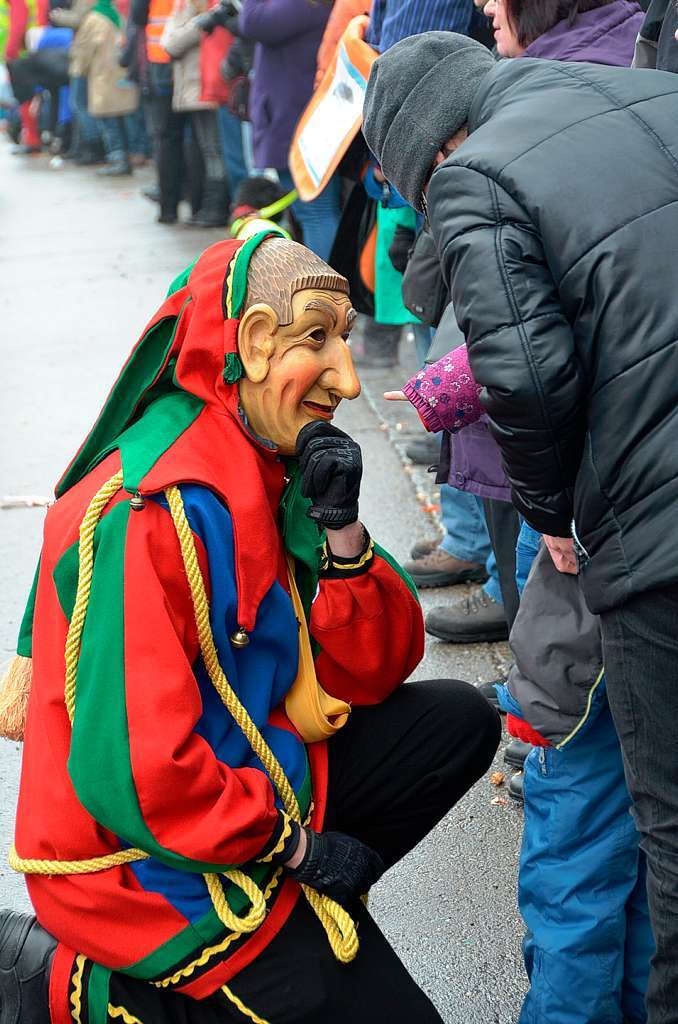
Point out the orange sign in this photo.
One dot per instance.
(334, 115)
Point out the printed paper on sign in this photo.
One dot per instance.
(333, 118)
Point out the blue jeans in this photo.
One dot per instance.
(115, 141)
(318, 219)
(423, 336)
(231, 135)
(138, 141)
(466, 534)
(87, 125)
(527, 549)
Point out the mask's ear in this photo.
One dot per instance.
(256, 341)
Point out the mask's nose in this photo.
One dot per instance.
(342, 378)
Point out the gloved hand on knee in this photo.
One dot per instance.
(335, 864)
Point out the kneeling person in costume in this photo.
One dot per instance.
(219, 758)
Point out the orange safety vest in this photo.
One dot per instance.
(159, 12)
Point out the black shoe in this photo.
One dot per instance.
(24, 150)
(26, 953)
(87, 158)
(167, 217)
(515, 788)
(472, 619)
(516, 752)
(424, 451)
(213, 212)
(490, 694)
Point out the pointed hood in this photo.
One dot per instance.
(173, 416)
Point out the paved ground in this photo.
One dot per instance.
(82, 267)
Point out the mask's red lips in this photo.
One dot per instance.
(325, 412)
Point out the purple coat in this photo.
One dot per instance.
(288, 34)
(606, 35)
(444, 393)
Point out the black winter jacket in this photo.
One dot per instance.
(557, 228)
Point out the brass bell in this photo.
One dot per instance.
(240, 638)
(137, 503)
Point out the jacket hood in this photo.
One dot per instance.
(605, 35)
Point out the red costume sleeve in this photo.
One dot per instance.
(371, 631)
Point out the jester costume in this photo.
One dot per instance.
(183, 601)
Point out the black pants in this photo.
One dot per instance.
(168, 128)
(205, 128)
(640, 642)
(503, 526)
(394, 772)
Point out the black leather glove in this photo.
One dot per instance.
(331, 469)
(399, 249)
(220, 15)
(338, 865)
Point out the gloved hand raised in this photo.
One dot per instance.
(331, 470)
(221, 15)
(337, 865)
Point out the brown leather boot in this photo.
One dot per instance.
(438, 569)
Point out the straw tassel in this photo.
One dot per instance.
(14, 690)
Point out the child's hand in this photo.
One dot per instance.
(395, 396)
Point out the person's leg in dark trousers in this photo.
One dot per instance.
(213, 210)
(168, 136)
(394, 771)
(503, 526)
(640, 643)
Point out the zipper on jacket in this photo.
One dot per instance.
(542, 761)
(582, 554)
(587, 711)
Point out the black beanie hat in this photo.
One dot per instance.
(419, 94)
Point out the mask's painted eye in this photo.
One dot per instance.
(319, 336)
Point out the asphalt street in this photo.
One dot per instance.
(83, 266)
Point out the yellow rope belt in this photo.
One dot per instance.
(338, 924)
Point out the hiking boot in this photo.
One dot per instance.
(490, 694)
(26, 953)
(424, 451)
(424, 547)
(516, 752)
(472, 619)
(515, 788)
(439, 569)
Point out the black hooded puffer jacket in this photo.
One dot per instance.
(557, 228)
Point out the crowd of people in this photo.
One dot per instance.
(511, 202)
